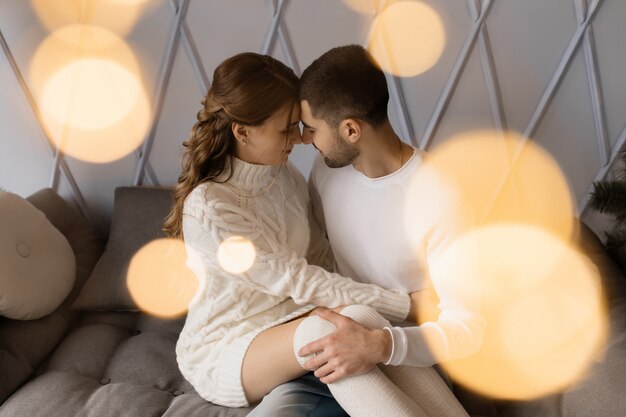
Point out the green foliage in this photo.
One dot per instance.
(609, 197)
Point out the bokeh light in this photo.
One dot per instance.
(75, 85)
(236, 254)
(119, 16)
(542, 303)
(479, 167)
(158, 279)
(93, 102)
(368, 6)
(74, 42)
(407, 38)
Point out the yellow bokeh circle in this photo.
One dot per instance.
(542, 304)
(158, 279)
(500, 178)
(368, 6)
(407, 38)
(90, 94)
(119, 16)
(236, 254)
(92, 99)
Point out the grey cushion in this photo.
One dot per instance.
(37, 264)
(24, 345)
(114, 364)
(138, 216)
(601, 393)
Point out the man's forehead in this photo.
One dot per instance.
(305, 113)
(305, 107)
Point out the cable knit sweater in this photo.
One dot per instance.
(230, 309)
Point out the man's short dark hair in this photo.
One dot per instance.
(346, 82)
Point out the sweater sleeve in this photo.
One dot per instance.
(320, 252)
(458, 331)
(277, 270)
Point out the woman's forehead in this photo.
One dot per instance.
(283, 113)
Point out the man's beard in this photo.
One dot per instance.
(342, 155)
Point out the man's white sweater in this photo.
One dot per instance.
(366, 225)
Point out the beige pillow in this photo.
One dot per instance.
(37, 263)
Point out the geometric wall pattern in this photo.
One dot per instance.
(552, 72)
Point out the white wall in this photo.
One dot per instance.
(528, 39)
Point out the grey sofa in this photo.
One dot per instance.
(107, 361)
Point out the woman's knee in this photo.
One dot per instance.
(309, 330)
(366, 316)
(315, 327)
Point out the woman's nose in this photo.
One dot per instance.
(307, 139)
(296, 136)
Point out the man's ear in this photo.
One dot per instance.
(240, 132)
(350, 130)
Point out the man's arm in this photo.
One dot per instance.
(424, 306)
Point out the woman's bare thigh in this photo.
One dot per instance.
(270, 360)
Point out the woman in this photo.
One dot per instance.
(237, 342)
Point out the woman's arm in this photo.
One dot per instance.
(277, 270)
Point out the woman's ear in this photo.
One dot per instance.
(350, 130)
(240, 132)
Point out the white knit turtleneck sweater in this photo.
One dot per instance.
(229, 310)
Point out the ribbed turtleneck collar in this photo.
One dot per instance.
(251, 177)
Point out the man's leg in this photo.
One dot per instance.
(303, 397)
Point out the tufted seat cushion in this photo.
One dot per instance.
(114, 364)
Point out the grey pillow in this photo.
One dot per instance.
(37, 264)
(138, 216)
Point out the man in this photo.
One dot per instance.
(358, 191)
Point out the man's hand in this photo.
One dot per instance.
(352, 349)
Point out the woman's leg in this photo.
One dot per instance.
(270, 360)
(426, 387)
(406, 391)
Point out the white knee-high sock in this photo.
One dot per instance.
(390, 390)
(423, 385)
(426, 387)
(368, 395)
